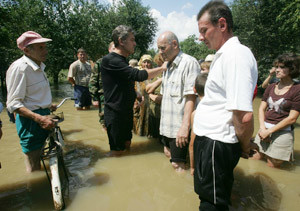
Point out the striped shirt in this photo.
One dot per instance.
(178, 81)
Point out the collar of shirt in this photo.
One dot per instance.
(228, 44)
(231, 41)
(176, 61)
(33, 65)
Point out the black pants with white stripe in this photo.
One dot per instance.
(213, 176)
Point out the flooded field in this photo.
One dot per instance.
(142, 180)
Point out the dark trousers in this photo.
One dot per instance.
(119, 126)
(213, 176)
(178, 154)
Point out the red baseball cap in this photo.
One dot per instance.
(30, 37)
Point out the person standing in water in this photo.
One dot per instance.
(118, 85)
(223, 122)
(29, 96)
(178, 99)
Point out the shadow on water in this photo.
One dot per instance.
(80, 159)
(68, 132)
(35, 194)
(254, 192)
(292, 165)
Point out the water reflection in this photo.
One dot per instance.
(61, 90)
(255, 192)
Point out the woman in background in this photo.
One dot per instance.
(153, 89)
(278, 111)
(141, 105)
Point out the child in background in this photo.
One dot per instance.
(199, 90)
(205, 67)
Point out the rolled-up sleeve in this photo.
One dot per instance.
(192, 70)
(16, 88)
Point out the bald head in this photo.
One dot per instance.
(168, 45)
(169, 36)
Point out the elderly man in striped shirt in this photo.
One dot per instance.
(178, 99)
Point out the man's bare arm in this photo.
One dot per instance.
(155, 71)
(44, 121)
(71, 80)
(183, 133)
(150, 88)
(244, 127)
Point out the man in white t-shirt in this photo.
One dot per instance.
(223, 121)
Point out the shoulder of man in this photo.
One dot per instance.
(74, 64)
(20, 64)
(189, 58)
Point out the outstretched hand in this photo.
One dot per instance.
(165, 66)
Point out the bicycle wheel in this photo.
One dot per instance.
(57, 178)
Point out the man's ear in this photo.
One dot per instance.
(223, 24)
(26, 50)
(175, 44)
(121, 42)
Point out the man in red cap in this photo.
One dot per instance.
(29, 97)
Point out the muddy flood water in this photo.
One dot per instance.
(143, 180)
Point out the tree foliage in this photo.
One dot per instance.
(268, 27)
(192, 47)
(71, 24)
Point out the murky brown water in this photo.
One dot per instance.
(143, 180)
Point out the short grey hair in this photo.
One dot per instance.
(170, 36)
(122, 32)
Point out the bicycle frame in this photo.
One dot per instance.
(53, 151)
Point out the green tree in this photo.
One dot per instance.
(134, 14)
(192, 47)
(71, 24)
(268, 27)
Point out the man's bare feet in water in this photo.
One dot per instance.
(179, 167)
(103, 128)
(167, 152)
(127, 145)
(114, 153)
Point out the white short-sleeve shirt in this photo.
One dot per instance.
(178, 81)
(27, 85)
(230, 86)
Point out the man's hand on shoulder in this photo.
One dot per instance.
(164, 66)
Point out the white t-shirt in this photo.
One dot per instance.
(230, 86)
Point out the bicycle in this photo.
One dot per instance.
(53, 151)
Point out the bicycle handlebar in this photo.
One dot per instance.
(64, 100)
